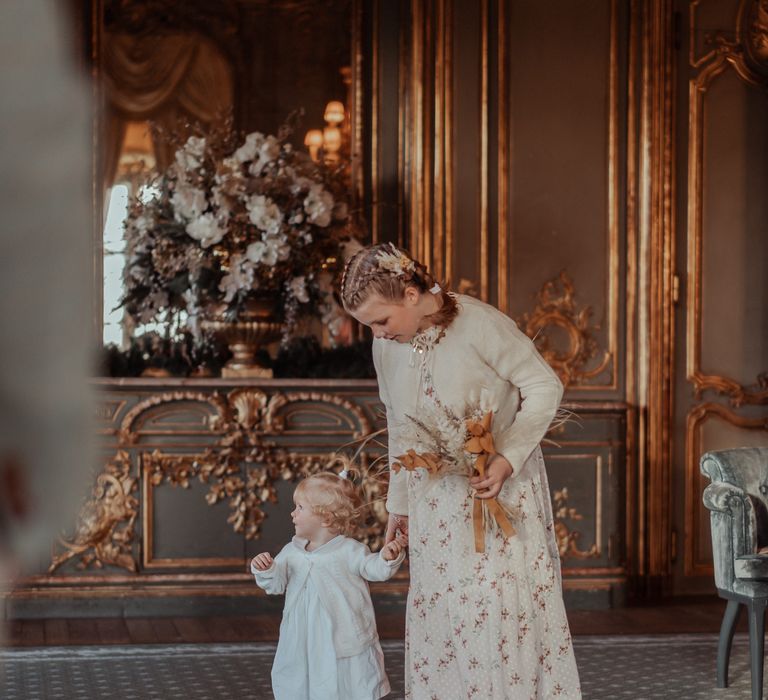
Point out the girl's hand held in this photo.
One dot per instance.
(395, 524)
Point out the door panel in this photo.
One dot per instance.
(722, 314)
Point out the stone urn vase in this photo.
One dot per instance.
(258, 324)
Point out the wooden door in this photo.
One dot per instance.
(721, 258)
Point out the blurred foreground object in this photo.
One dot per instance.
(45, 309)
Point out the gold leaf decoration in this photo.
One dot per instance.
(105, 525)
(244, 465)
(241, 466)
(565, 536)
(582, 359)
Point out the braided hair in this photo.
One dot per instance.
(365, 274)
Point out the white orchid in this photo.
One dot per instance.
(300, 184)
(269, 250)
(193, 314)
(223, 203)
(231, 164)
(250, 148)
(188, 203)
(269, 150)
(143, 223)
(206, 229)
(298, 287)
(264, 213)
(257, 252)
(319, 205)
(190, 155)
(230, 179)
(281, 246)
(240, 276)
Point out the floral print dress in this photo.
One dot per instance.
(489, 625)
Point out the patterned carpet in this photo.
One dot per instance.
(612, 668)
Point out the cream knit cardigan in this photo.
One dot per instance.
(482, 361)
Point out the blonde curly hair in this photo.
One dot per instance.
(336, 499)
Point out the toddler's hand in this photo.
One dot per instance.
(261, 562)
(392, 550)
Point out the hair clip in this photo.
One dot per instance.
(436, 289)
(343, 474)
(394, 261)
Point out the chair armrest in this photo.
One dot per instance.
(732, 501)
(722, 496)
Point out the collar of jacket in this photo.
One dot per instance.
(301, 543)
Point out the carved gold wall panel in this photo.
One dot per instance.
(132, 422)
(581, 359)
(245, 489)
(427, 158)
(252, 439)
(104, 533)
(442, 35)
(177, 513)
(583, 482)
(566, 518)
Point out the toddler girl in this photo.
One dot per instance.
(328, 648)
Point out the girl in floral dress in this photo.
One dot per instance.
(485, 616)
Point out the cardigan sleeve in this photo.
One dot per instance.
(373, 567)
(397, 492)
(514, 358)
(274, 579)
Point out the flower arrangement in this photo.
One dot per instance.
(456, 444)
(228, 223)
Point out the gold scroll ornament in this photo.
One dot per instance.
(480, 443)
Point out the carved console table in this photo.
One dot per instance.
(196, 477)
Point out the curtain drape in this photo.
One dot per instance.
(164, 79)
